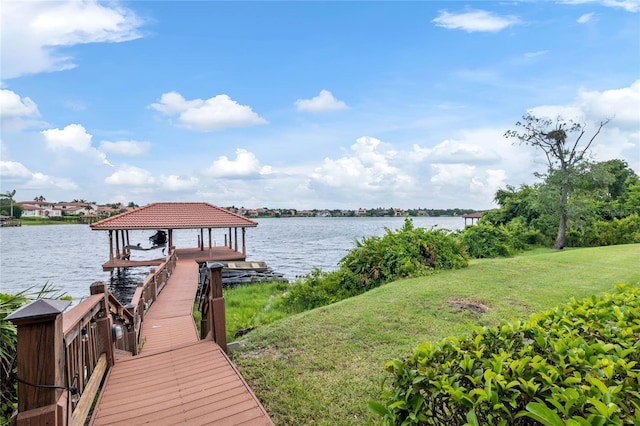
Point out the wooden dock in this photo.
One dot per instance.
(177, 378)
(201, 255)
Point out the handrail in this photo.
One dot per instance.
(211, 306)
(63, 357)
(86, 351)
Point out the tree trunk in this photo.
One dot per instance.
(562, 226)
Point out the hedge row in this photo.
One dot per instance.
(578, 364)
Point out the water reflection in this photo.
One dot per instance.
(124, 281)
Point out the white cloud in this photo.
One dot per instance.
(531, 55)
(245, 165)
(453, 174)
(15, 106)
(17, 113)
(17, 174)
(128, 148)
(623, 105)
(628, 5)
(176, 183)
(587, 17)
(41, 181)
(131, 176)
(324, 102)
(369, 168)
(34, 32)
(451, 151)
(218, 112)
(73, 137)
(475, 21)
(13, 169)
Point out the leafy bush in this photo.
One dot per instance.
(403, 253)
(616, 231)
(485, 240)
(406, 252)
(578, 364)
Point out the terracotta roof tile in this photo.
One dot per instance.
(175, 216)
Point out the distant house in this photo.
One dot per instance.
(77, 209)
(399, 212)
(105, 211)
(39, 209)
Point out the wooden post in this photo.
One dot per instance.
(41, 362)
(104, 342)
(217, 320)
(244, 243)
(154, 290)
(235, 231)
(110, 245)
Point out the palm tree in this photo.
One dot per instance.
(9, 195)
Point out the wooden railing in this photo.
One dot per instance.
(62, 358)
(211, 306)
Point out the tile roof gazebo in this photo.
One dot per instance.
(169, 217)
(475, 217)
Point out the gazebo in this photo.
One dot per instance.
(474, 217)
(170, 217)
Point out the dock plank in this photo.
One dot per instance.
(177, 378)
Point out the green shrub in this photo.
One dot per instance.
(578, 364)
(616, 231)
(406, 252)
(486, 240)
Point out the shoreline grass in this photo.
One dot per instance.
(323, 366)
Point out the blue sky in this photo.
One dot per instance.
(305, 104)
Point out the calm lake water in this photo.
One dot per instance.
(70, 257)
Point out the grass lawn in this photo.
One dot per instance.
(323, 366)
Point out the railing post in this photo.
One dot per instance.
(217, 320)
(131, 330)
(104, 341)
(41, 361)
(152, 272)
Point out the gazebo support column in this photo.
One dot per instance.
(244, 245)
(235, 230)
(110, 246)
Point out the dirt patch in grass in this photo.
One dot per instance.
(266, 352)
(469, 305)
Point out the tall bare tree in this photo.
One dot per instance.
(565, 147)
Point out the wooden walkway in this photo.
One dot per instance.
(177, 379)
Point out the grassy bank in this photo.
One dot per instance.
(34, 221)
(322, 366)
